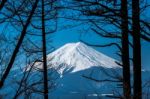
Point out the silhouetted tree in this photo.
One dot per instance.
(23, 33)
(44, 53)
(125, 49)
(137, 86)
(46, 17)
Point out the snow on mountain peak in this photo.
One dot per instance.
(79, 57)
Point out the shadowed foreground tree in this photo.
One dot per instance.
(47, 13)
(125, 50)
(44, 53)
(137, 86)
(43, 24)
(23, 33)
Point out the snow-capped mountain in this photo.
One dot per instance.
(79, 57)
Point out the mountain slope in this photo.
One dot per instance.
(78, 56)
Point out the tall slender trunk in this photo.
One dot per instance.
(125, 50)
(136, 50)
(44, 54)
(2, 4)
(16, 50)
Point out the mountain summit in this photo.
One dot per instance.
(80, 57)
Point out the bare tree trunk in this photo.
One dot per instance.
(136, 50)
(2, 4)
(125, 50)
(44, 54)
(13, 57)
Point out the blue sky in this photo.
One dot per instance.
(82, 31)
(60, 38)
